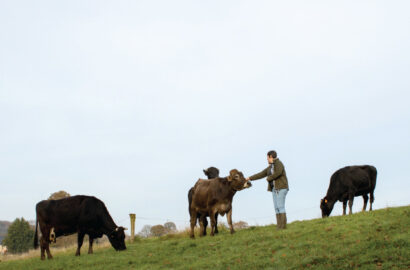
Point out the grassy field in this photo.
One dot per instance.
(370, 240)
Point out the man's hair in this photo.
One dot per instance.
(273, 154)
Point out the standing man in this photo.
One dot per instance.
(277, 184)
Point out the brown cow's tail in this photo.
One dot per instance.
(36, 234)
(190, 193)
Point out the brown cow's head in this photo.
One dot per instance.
(237, 180)
(326, 206)
(117, 238)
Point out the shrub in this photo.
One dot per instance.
(158, 230)
(170, 227)
(240, 225)
(19, 237)
(59, 195)
(145, 231)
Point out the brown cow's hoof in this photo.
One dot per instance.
(43, 258)
(192, 236)
(232, 231)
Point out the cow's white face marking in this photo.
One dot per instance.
(246, 184)
(52, 235)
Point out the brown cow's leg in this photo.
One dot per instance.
(351, 197)
(193, 223)
(90, 246)
(80, 238)
(202, 228)
(344, 207)
(216, 223)
(213, 222)
(229, 218)
(365, 199)
(205, 224)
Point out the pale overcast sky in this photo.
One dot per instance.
(129, 100)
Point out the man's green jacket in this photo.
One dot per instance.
(278, 177)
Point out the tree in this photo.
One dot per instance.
(240, 225)
(145, 231)
(158, 230)
(19, 237)
(59, 195)
(170, 227)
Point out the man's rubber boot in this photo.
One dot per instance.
(278, 223)
(283, 220)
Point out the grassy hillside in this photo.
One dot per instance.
(370, 240)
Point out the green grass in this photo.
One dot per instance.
(370, 240)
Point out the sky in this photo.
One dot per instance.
(129, 101)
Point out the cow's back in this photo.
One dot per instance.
(361, 178)
(209, 192)
(68, 211)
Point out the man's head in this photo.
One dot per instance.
(272, 156)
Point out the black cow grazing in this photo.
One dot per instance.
(77, 214)
(347, 183)
(211, 173)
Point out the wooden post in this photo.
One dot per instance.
(132, 217)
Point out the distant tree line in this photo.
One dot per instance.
(158, 230)
(170, 227)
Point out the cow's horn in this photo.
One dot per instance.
(117, 229)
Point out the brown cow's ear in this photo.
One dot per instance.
(325, 201)
(233, 172)
(229, 178)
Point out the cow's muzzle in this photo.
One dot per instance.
(247, 184)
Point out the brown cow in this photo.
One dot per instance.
(211, 172)
(213, 196)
